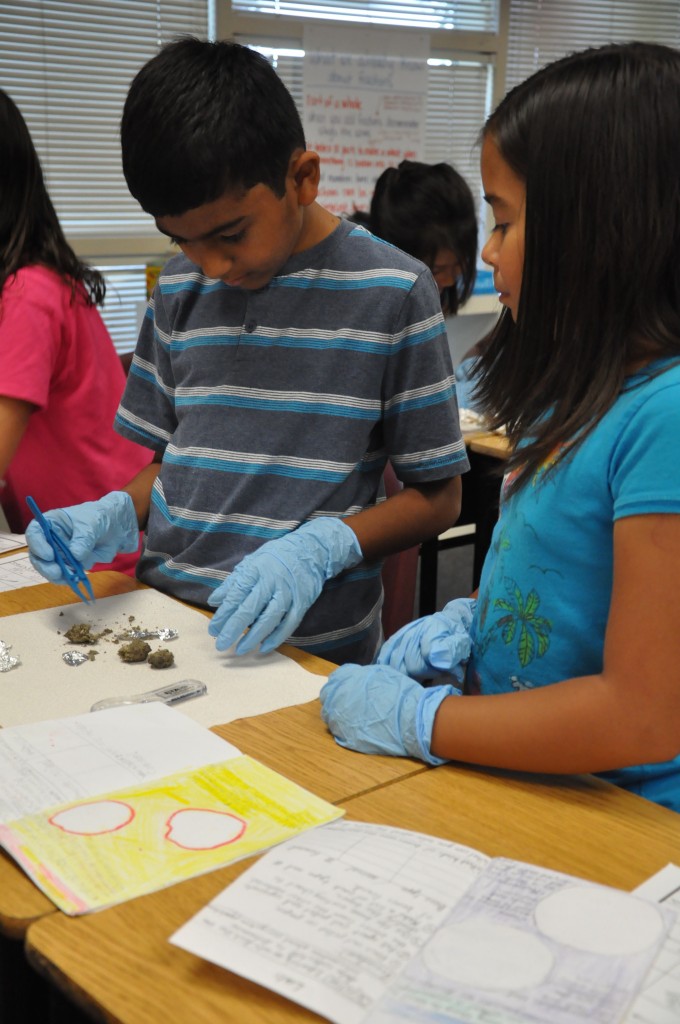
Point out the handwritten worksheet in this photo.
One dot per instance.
(659, 999)
(16, 571)
(54, 762)
(366, 924)
(110, 845)
(11, 541)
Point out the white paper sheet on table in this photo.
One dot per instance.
(43, 686)
(659, 1000)
(49, 763)
(103, 847)
(11, 541)
(367, 924)
(16, 571)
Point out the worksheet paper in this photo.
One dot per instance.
(16, 571)
(53, 762)
(11, 541)
(112, 845)
(44, 686)
(366, 924)
(659, 999)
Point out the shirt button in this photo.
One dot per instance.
(250, 326)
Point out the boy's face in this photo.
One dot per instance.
(244, 237)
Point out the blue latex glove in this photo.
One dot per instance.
(376, 710)
(433, 645)
(95, 531)
(271, 590)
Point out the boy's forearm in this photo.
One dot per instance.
(407, 518)
(139, 490)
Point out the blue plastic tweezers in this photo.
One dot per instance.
(72, 569)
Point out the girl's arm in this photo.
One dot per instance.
(14, 417)
(628, 714)
(407, 518)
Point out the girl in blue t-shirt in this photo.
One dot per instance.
(581, 586)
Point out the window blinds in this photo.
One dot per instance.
(459, 15)
(543, 30)
(125, 303)
(68, 64)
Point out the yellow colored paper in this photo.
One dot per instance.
(92, 853)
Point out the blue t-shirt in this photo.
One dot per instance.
(546, 585)
(465, 384)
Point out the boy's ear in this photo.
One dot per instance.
(305, 169)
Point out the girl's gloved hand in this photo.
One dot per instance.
(95, 531)
(376, 710)
(434, 645)
(271, 590)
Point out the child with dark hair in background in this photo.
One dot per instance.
(428, 211)
(573, 643)
(285, 356)
(60, 377)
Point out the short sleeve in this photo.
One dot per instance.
(29, 342)
(146, 413)
(645, 468)
(422, 429)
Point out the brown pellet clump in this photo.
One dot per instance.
(136, 650)
(81, 633)
(162, 658)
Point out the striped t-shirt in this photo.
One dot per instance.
(274, 406)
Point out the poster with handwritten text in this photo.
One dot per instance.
(364, 107)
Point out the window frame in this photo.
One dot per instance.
(282, 31)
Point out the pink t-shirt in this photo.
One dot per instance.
(59, 356)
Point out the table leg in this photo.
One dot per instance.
(24, 995)
(486, 486)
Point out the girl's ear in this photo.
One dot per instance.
(305, 170)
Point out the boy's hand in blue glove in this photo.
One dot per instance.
(271, 590)
(373, 709)
(433, 645)
(95, 531)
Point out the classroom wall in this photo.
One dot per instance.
(466, 329)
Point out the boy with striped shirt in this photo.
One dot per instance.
(284, 357)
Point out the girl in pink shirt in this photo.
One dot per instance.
(60, 377)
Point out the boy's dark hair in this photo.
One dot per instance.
(595, 138)
(202, 118)
(30, 232)
(422, 208)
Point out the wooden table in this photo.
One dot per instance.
(117, 965)
(579, 825)
(495, 445)
(317, 763)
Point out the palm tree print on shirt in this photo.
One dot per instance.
(520, 623)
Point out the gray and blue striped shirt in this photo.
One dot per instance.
(274, 406)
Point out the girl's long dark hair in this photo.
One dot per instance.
(30, 232)
(422, 208)
(595, 138)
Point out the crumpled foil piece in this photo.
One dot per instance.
(7, 660)
(74, 657)
(149, 634)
